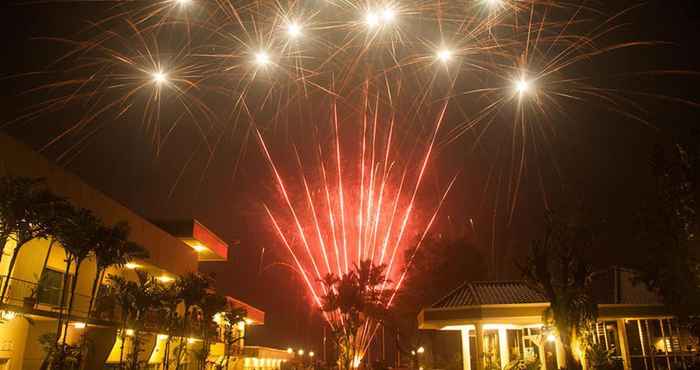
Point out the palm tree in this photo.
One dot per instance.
(113, 249)
(353, 301)
(28, 211)
(147, 297)
(230, 319)
(123, 290)
(211, 305)
(79, 234)
(192, 288)
(558, 267)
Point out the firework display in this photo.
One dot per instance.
(387, 74)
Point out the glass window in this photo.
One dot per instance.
(51, 287)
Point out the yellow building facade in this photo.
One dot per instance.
(172, 253)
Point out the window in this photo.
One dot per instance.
(52, 286)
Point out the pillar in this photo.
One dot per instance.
(503, 347)
(466, 354)
(479, 350)
(623, 342)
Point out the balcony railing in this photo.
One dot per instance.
(20, 293)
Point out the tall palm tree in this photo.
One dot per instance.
(28, 211)
(113, 249)
(211, 305)
(79, 235)
(192, 288)
(230, 319)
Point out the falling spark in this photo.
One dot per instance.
(293, 30)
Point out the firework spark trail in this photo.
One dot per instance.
(383, 206)
(173, 60)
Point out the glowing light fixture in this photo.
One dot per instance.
(132, 266)
(166, 279)
(8, 315)
(300, 352)
(162, 337)
(551, 338)
(420, 350)
(79, 325)
(129, 332)
(311, 354)
(191, 340)
(290, 350)
(199, 248)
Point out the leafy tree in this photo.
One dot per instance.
(28, 211)
(558, 266)
(669, 227)
(351, 302)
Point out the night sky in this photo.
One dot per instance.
(597, 157)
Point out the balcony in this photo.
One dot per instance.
(47, 300)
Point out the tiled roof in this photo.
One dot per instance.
(490, 292)
(613, 286)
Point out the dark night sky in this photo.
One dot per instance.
(602, 157)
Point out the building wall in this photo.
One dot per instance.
(165, 250)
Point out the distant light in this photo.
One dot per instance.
(551, 338)
(199, 248)
(300, 352)
(413, 352)
(293, 30)
(79, 325)
(166, 279)
(522, 86)
(311, 354)
(290, 350)
(241, 325)
(162, 337)
(248, 321)
(191, 340)
(129, 332)
(8, 315)
(159, 77)
(444, 55)
(420, 350)
(262, 58)
(132, 266)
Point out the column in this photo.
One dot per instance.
(479, 350)
(503, 347)
(466, 355)
(623, 342)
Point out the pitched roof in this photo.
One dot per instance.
(490, 292)
(612, 286)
